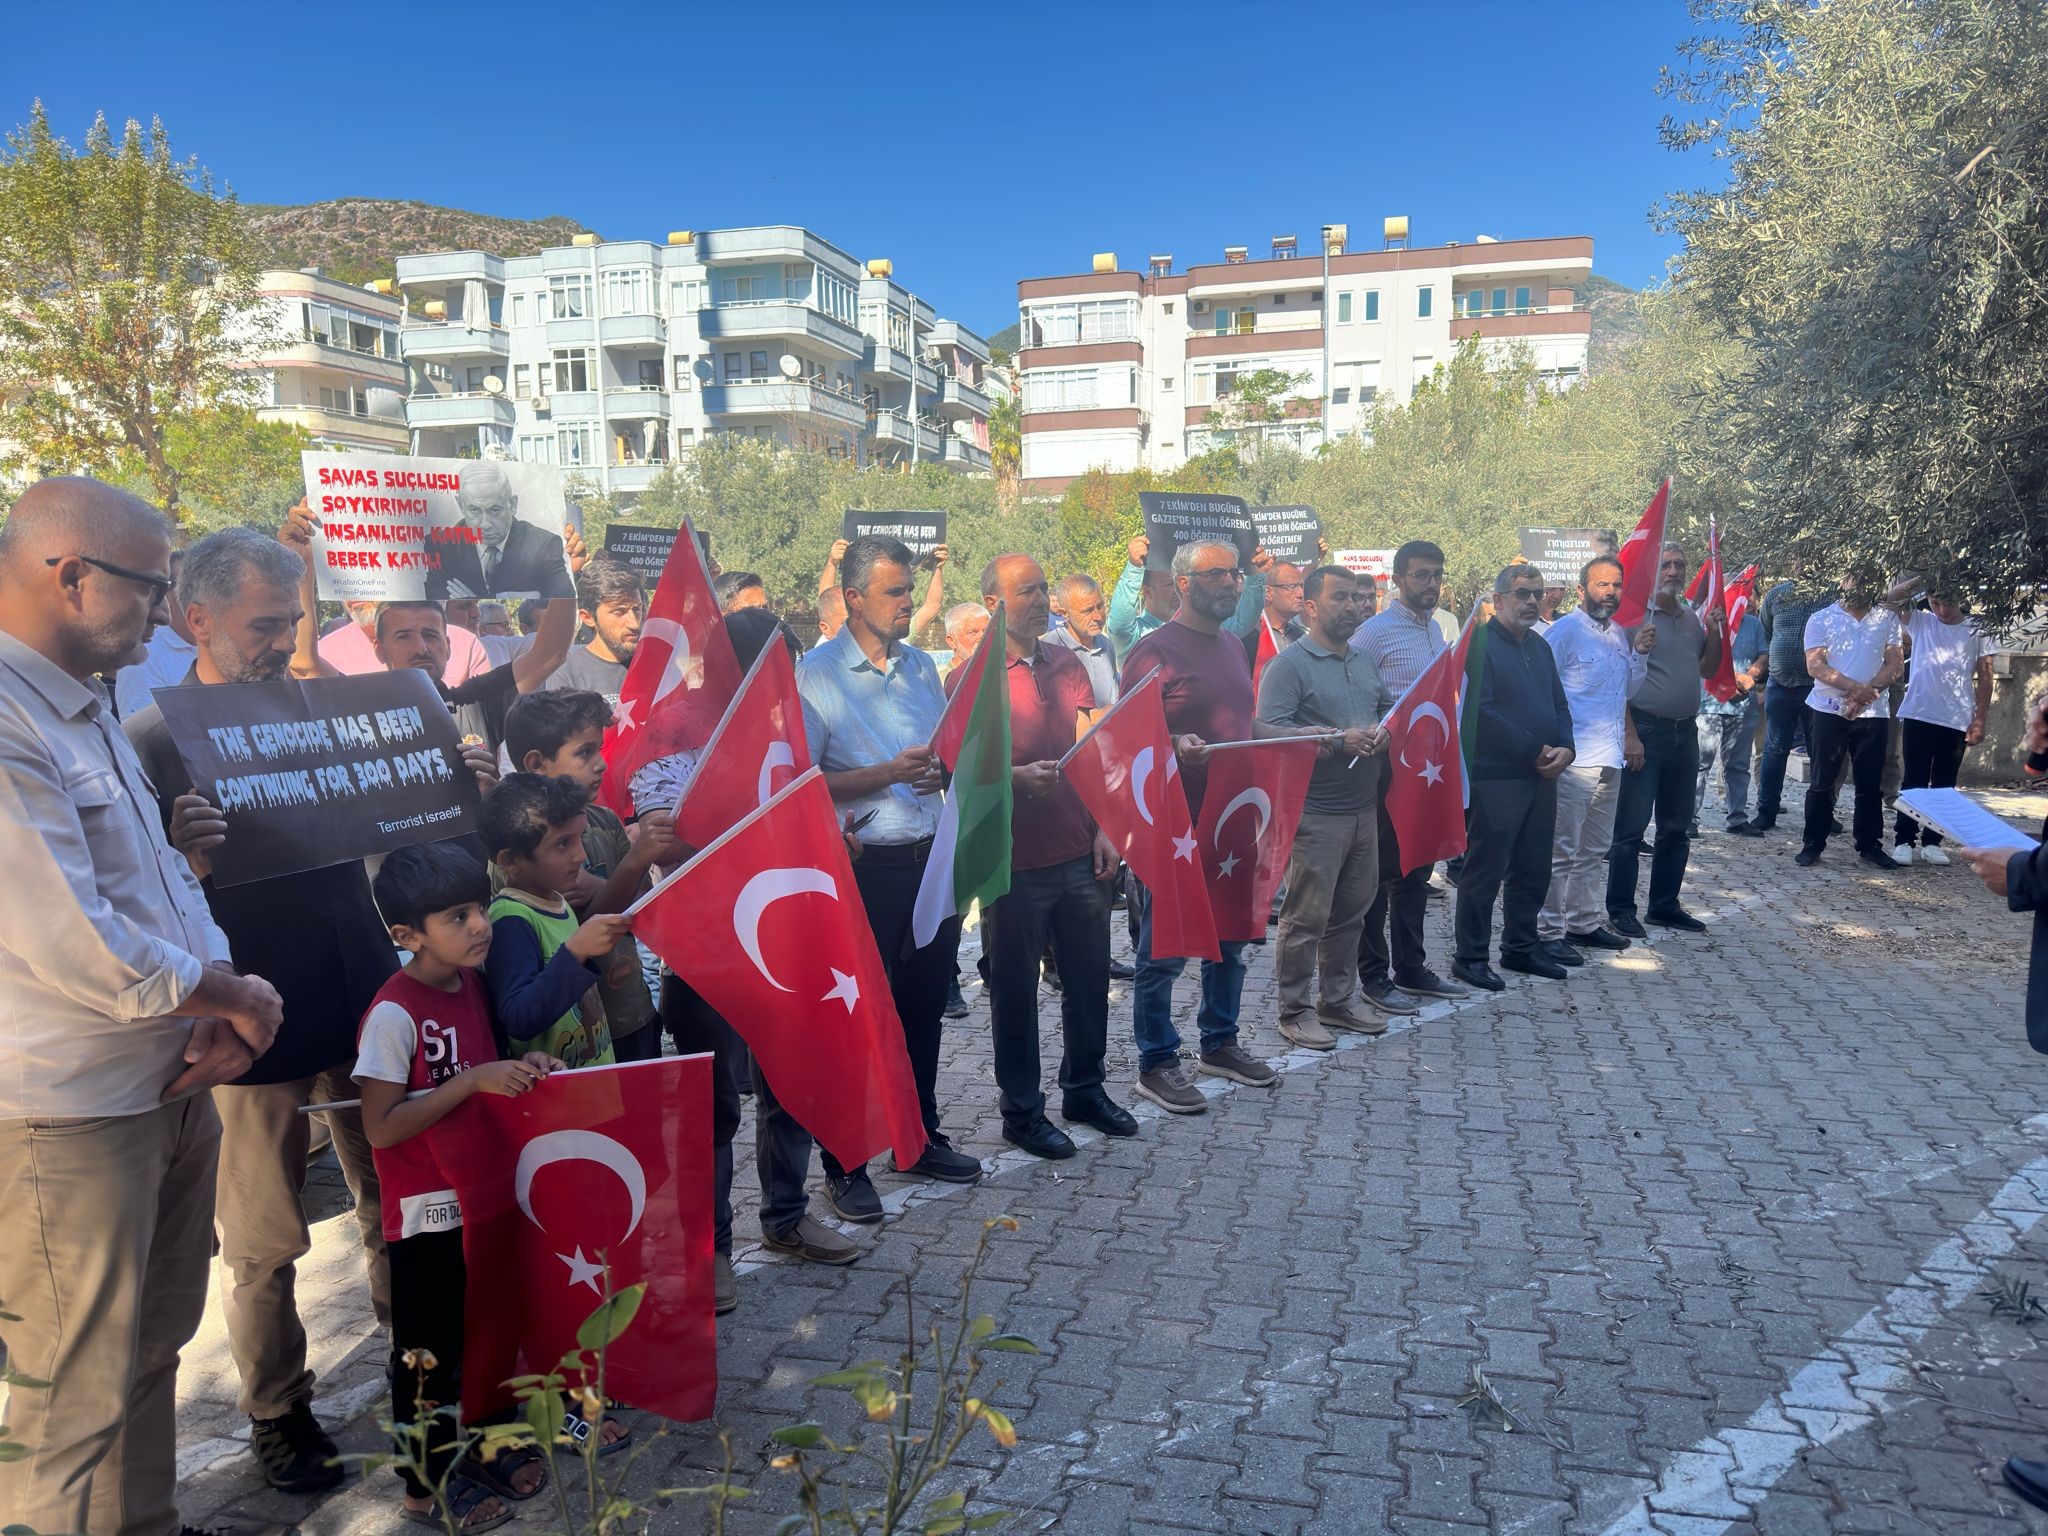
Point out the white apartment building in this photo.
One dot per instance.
(1121, 370)
(616, 358)
(337, 371)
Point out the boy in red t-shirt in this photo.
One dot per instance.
(428, 1032)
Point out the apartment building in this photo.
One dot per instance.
(1121, 370)
(616, 358)
(335, 367)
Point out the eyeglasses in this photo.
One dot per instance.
(1232, 574)
(160, 587)
(1283, 586)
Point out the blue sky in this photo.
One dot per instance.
(973, 145)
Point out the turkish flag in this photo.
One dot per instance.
(768, 926)
(1425, 793)
(1126, 773)
(1269, 647)
(606, 1166)
(758, 748)
(1735, 597)
(1250, 811)
(683, 675)
(1640, 553)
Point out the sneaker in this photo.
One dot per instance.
(1426, 983)
(1903, 854)
(294, 1452)
(1359, 1018)
(956, 1005)
(813, 1242)
(725, 1285)
(1172, 1088)
(941, 1162)
(1625, 924)
(1236, 1063)
(852, 1198)
(1932, 855)
(1307, 1033)
(1387, 997)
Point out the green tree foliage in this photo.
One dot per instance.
(234, 469)
(127, 294)
(1879, 258)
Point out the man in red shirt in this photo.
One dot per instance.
(1059, 871)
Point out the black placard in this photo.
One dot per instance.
(1561, 553)
(922, 531)
(1290, 534)
(320, 772)
(647, 549)
(1174, 518)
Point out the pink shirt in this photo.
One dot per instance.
(351, 651)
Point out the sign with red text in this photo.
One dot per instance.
(1376, 563)
(389, 529)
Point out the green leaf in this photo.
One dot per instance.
(9, 1451)
(941, 1526)
(1011, 1344)
(981, 1327)
(14, 1378)
(850, 1376)
(789, 1525)
(993, 1517)
(544, 1416)
(612, 1318)
(802, 1436)
(949, 1504)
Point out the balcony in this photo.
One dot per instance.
(636, 402)
(782, 397)
(354, 427)
(314, 351)
(579, 332)
(450, 267)
(892, 431)
(1296, 333)
(1530, 320)
(961, 454)
(895, 363)
(736, 322)
(959, 398)
(641, 330)
(951, 333)
(450, 340)
(773, 242)
(460, 410)
(636, 474)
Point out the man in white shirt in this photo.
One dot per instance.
(1601, 668)
(1854, 652)
(1942, 714)
(171, 654)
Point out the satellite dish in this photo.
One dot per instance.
(493, 385)
(790, 366)
(964, 430)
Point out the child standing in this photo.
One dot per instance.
(428, 1031)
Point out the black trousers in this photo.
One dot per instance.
(1830, 741)
(427, 1280)
(695, 1026)
(1666, 786)
(1066, 905)
(1930, 757)
(1396, 913)
(1510, 828)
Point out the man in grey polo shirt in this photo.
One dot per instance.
(1322, 683)
(1665, 711)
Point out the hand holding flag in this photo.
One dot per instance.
(1640, 554)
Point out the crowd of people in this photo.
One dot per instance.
(166, 1033)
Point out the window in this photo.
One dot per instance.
(473, 381)
(1425, 301)
(1279, 301)
(796, 283)
(628, 292)
(538, 448)
(1500, 301)
(733, 371)
(650, 373)
(1372, 304)
(519, 309)
(522, 381)
(1343, 309)
(569, 296)
(686, 438)
(1060, 389)
(685, 298)
(1521, 301)
(757, 365)
(572, 368)
(1166, 386)
(576, 445)
(679, 371)
(1422, 368)
(1168, 308)
(744, 290)
(1052, 325)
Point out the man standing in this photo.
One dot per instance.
(241, 594)
(966, 623)
(1786, 608)
(1320, 683)
(1059, 892)
(122, 1009)
(739, 589)
(1665, 712)
(1601, 669)
(1854, 653)
(1546, 614)
(351, 649)
(1080, 602)
(1143, 599)
(1282, 613)
(1728, 730)
(1401, 640)
(1523, 743)
(170, 657)
(871, 704)
(612, 604)
(1942, 715)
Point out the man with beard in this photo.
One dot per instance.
(1853, 653)
(612, 604)
(245, 602)
(500, 554)
(1601, 670)
(1321, 683)
(1664, 711)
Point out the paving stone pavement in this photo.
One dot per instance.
(1713, 1218)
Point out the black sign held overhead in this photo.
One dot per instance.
(647, 549)
(922, 531)
(1561, 553)
(1290, 534)
(1174, 518)
(321, 772)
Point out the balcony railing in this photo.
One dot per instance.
(367, 349)
(1260, 325)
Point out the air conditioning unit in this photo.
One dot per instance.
(1200, 306)
(541, 402)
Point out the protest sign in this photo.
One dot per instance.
(1560, 553)
(645, 549)
(321, 772)
(1292, 534)
(1174, 518)
(922, 531)
(1376, 563)
(388, 529)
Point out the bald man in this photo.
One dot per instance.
(119, 1009)
(507, 557)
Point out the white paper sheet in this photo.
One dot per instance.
(1956, 815)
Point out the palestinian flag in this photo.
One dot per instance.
(970, 857)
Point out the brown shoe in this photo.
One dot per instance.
(1304, 1031)
(1173, 1089)
(813, 1242)
(1234, 1062)
(725, 1285)
(1357, 1016)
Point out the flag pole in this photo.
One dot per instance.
(419, 1093)
(704, 755)
(995, 627)
(1109, 714)
(1267, 741)
(721, 840)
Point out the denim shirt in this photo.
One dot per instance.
(857, 715)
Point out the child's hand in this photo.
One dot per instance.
(654, 838)
(510, 1078)
(598, 936)
(543, 1063)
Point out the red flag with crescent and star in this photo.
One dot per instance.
(758, 748)
(1425, 793)
(1126, 773)
(1640, 553)
(593, 1181)
(1250, 811)
(766, 924)
(682, 676)
(1269, 647)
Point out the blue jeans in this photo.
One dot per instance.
(1152, 996)
(1784, 723)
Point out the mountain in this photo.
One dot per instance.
(1617, 325)
(1003, 344)
(358, 238)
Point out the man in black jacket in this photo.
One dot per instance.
(1524, 742)
(506, 555)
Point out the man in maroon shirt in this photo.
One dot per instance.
(1059, 871)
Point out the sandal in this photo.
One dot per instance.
(577, 1428)
(497, 1473)
(464, 1494)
